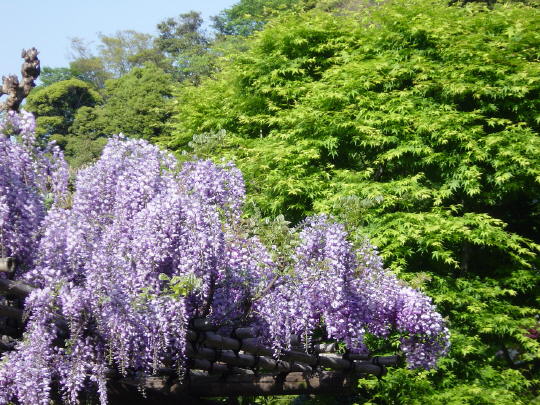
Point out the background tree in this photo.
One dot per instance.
(127, 49)
(89, 68)
(417, 123)
(50, 75)
(248, 16)
(86, 138)
(137, 105)
(176, 35)
(55, 105)
(114, 56)
(187, 47)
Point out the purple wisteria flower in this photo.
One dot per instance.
(148, 245)
(30, 175)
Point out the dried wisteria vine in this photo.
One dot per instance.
(147, 245)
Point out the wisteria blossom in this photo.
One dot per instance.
(347, 291)
(30, 176)
(148, 245)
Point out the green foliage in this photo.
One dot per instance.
(417, 124)
(137, 103)
(55, 105)
(85, 141)
(91, 70)
(116, 55)
(59, 108)
(490, 386)
(126, 50)
(51, 75)
(181, 286)
(80, 120)
(247, 16)
(89, 67)
(175, 287)
(187, 47)
(177, 35)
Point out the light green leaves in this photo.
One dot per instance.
(180, 286)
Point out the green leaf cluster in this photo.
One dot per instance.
(136, 105)
(247, 16)
(55, 105)
(417, 124)
(74, 114)
(180, 286)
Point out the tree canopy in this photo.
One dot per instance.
(55, 105)
(186, 45)
(417, 123)
(248, 16)
(137, 104)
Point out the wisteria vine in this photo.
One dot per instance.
(31, 177)
(146, 245)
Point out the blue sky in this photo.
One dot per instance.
(49, 24)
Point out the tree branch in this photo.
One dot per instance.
(16, 92)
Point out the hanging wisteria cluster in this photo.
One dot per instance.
(30, 177)
(347, 293)
(148, 245)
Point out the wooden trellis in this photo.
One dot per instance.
(219, 364)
